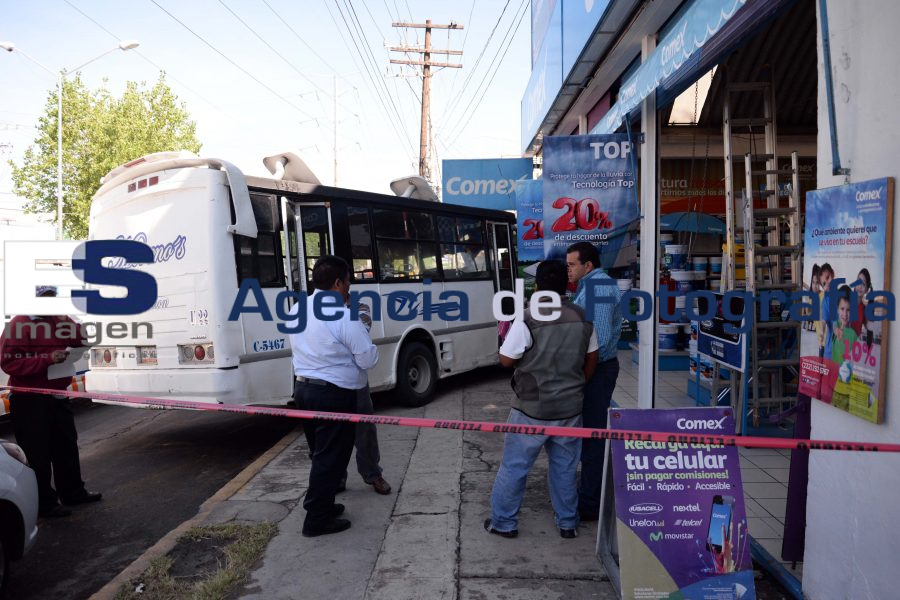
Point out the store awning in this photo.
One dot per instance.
(699, 37)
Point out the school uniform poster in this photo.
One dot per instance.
(843, 355)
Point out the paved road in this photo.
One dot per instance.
(155, 469)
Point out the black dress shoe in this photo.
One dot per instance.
(82, 498)
(337, 510)
(333, 526)
(568, 534)
(54, 512)
(507, 534)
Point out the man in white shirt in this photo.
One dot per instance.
(330, 361)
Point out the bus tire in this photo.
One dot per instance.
(416, 375)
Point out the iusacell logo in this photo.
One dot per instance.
(700, 423)
(646, 508)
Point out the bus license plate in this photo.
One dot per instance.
(147, 355)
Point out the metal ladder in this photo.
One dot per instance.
(774, 353)
(769, 256)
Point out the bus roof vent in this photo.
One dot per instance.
(148, 159)
(293, 168)
(413, 187)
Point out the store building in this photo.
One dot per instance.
(705, 82)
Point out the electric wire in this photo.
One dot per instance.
(471, 112)
(232, 62)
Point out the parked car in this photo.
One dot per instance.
(18, 507)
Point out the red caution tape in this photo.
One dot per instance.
(486, 426)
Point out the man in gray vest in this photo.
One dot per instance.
(554, 352)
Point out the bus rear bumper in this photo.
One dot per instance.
(214, 386)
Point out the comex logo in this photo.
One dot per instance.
(700, 423)
(646, 508)
(23, 274)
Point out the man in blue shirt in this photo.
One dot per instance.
(583, 265)
(330, 361)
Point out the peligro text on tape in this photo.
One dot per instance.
(485, 426)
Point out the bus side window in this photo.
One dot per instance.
(463, 254)
(362, 255)
(407, 245)
(261, 257)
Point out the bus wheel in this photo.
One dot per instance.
(416, 374)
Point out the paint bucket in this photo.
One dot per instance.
(666, 238)
(684, 280)
(699, 280)
(715, 264)
(676, 256)
(668, 337)
(679, 306)
(624, 284)
(700, 263)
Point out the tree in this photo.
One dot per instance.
(100, 132)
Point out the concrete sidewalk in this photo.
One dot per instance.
(425, 540)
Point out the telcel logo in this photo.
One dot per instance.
(700, 423)
(646, 508)
(23, 274)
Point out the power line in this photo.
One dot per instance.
(146, 59)
(498, 63)
(370, 80)
(456, 100)
(237, 66)
(280, 55)
(462, 48)
(368, 46)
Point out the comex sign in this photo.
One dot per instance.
(485, 183)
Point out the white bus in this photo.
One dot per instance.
(211, 227)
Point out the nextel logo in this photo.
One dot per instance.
(29, 264)
(700, 423)
(686, 507)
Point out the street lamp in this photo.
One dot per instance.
(60, 78)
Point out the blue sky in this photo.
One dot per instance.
(239, 119)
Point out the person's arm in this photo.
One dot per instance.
(592, 357)
(517, 341)
(590, 364)
(23, 360)
(356, 338)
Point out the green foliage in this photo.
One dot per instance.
(100, 132)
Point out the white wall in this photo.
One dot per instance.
(853, 514)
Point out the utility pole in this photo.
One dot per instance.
(426, 63)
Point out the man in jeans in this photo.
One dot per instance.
(583, 264)
(330, 360)
(553, 359)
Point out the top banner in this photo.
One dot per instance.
(700, 22)
(589, 192)
(485, 182)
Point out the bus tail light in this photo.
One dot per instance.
(103, 357)
(196, 353)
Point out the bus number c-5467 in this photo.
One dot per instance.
(268, 345)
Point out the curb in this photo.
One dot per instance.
(168, 541)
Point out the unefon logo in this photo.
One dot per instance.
(22, 276)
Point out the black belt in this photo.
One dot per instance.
(312, 381)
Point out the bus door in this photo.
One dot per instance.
(501, 249)
(315, 238)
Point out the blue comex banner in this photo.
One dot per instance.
(700, 22)
(589, 192)
(579, 20)
(485, 183)
(530, 220)
(545, 81)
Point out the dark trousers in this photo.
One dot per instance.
(367, 453)
(597, 396)
(331, 444)
(45, 428)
